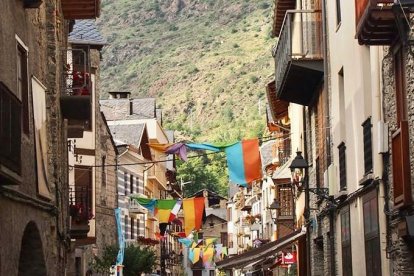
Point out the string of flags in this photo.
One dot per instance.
(207, 250)
(166, 210)
(243, 157)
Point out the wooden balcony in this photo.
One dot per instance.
(298, 57)
(81, 9)
(76, 98)
(375, 22)
(158, 173)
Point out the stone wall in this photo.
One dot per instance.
(44, 32)
(402, 255)
(106, 193)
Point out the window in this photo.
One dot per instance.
(318, 172)
(82, 192)
(346, 242)
(103, 171)
(10, 129)
(342, 166)
(286, 200)
(126, 227)
(223, 238)
(229, 214)
(400, 138)
(367, 136)
(371, 234)
(212, 273)
(341, 97)
(131, 183)
(138, 227)
(22, 85)
(338, 12)
(125, 183)
(132, 228)
(230, 240)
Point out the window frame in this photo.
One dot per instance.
(371, 236)
(22, 82)
(367, 146)
(342, 167)
(346, 241)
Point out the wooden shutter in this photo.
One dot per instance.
(401, 166)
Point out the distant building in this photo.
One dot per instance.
(214, 226)
(134, 123)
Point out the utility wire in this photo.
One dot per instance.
(264, 139)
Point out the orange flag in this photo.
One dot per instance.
(193, 213)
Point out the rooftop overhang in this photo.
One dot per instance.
(81, 9)
(262, 252)
(280, 8)
(278, 108)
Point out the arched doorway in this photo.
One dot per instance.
(32, 261)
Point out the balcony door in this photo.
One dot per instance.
(83, 186)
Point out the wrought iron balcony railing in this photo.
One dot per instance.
(80, 210)
(76, 100)
(298, 56)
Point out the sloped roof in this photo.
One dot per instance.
(130, 134)
(85, 32)
(119, 109)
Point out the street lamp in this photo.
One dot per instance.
(299, 168)
(273, 210)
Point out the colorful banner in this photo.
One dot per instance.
(147, 203)
(121, 239)
(178, 149)
(208, 255)
(243, 161)
(193, 213)
(163, 209)
(159, 147)
(196, 257)
(175, 211)
(186, 242)
(210, 241)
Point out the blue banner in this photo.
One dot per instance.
(121, 239)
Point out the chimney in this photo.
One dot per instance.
(119, 95)
(131, 107)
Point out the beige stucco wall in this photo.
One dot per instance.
(361, 99)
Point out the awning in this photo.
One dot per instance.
(261, 253)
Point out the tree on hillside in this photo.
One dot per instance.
(205, 171)
(137, 260)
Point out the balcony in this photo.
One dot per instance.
(158, 173)
(80, 210)
(76, 100)
(298, 57)
(10, 136)
(375, 22)
(81, 9)
(134, 207)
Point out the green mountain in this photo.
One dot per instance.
(206, 61)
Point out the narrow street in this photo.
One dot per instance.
(206, 137)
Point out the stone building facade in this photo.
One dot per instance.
(106, 188)
(399, 247)
(33, 166)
